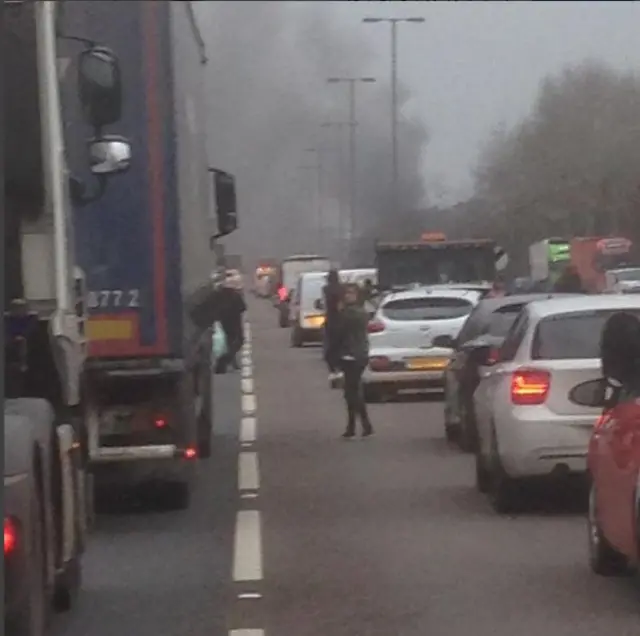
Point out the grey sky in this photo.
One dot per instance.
(473, 65)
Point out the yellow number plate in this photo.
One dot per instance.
(314, 322)
(427, 364)
(109, 329)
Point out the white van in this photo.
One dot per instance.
(305, 318)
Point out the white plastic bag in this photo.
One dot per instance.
(220, 347)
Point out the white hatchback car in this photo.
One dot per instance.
(404, 352)
(528, 426)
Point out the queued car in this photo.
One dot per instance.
(528, 427)
(306, 314)
(486, 326)
(409, 338)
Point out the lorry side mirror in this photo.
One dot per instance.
(109, 155)
(225, 198)
(100, 86)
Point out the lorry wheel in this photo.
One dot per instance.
(178, 495)
(31, 617)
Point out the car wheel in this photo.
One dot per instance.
(603, 558)
(502, 491)
(483, 478)
(31, 617)
(468, 437)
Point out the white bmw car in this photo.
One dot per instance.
(410, 338)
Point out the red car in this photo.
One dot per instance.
(614, 469)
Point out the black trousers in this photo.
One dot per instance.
(331, 355)
(354, 396)
(235, 340)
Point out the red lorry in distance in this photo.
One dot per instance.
(593, 256)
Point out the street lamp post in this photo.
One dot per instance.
(351, 83)
(394, 96)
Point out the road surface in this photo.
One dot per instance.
(303, 534)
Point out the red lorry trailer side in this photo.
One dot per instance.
(594, 255)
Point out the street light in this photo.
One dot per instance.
(351, 83)
(394, 94)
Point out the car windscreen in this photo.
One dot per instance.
(571, 336)
(431, 308)
(501, 319)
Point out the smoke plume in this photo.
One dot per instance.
(268, 95)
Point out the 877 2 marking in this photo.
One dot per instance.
(113, 298)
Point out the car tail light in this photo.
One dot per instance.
(282, 294)
(10, 536)
(190, 453)
(379, 363)
(530, 387)
(375, 326)
(160, 421)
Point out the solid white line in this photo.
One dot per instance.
(247, 385)
(246, 360)
(247, 553)
(248, 473)
(246, 632)
(249, 595)
(248, 430)
(249, 404)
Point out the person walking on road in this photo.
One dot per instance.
(332, 293)
(231, 307)
(353, 348)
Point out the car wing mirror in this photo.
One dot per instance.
(445, 341)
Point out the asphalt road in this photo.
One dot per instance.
(308, 535)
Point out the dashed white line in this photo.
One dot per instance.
(247, 385)
(249, 495)
(249, 404)
(248, 472)
(247, 553)
(247, 371)
(246, 632)
(248, 430)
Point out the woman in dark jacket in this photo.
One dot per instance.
(353, 347)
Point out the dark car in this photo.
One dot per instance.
(485, 328)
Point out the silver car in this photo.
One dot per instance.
(410, 338)
(528, 427)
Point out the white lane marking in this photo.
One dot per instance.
(247, 361)
(247, 552)
(246, 632)
(248, 472)
(248, 430)
(247, 371)
(249, 404)
(249, 495)
(247, 385)
(250, 595)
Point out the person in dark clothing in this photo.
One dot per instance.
(620, 348)
(353, 347)
(332, 296)
(569, 282)
(230, 308)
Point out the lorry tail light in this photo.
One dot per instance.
(603, 419)
(190, 453)
(160, 421)
(530, 387)
(379, 363)
(10, 536)
(375, 326)
(282, 293)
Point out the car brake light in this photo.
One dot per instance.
(375, 326)
(530, 387)
(282, 294)
(10, 536)
(190, 453)
(160, 422)
(379, 363)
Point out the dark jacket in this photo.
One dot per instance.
(353, 339)
(569, 283)
(230, 307)
(332, 296)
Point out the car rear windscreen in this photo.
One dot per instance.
(502, 318)
(571, 337)
(426, 308)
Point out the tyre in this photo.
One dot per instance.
(603, 558)
(178, 495)
(467, 438)
(296, 338)
(483, 478)
(502, 489)
(31, 618)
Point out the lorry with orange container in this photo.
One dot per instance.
(594, 256)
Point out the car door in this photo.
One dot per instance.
(618, 471)
(472, 328)
(485, 398)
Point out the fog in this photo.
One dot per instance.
(268, 95)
